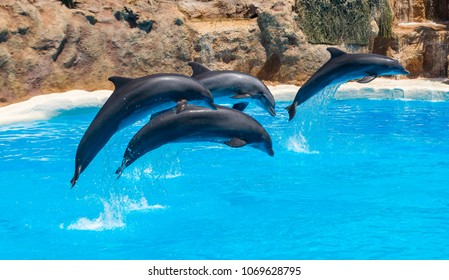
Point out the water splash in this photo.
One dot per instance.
(310, 128)
(298, 144)
(138, 173)
(113, 215)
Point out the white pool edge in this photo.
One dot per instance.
(46, 106)
(412, 89)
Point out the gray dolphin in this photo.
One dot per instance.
(131, 100)
(234, 85)
(224, 125)
(343, 67)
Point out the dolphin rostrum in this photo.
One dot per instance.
(343, 67)
(133, 99)
(234, 86)
(224, 125)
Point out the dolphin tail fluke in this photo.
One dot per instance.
(75, 176)
(73, 182)
(291, 111)
(119, 171)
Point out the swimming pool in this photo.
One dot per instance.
(350, 179)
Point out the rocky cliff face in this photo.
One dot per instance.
(48, 47)
(420, 37)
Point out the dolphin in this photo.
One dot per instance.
(224, 125)
(131, 100)
(343, 67)
(234, 85)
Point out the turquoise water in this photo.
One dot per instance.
(354, 179)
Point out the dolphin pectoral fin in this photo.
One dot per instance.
(240, 106)
(291, 111)
(198, 68)
(235, 142)
(119, 81)
(242, 95)
(181, 106)
(366, 79)
(335, 52)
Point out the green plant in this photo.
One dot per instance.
(386, 20)
(335, 21)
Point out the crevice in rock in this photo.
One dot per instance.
(71, 61)
(61, 46)
(270, 68)
(69, 3)
(132, 18)
(91, 19)
(145, 25)
(179, 22)
(3, 60)
(4, 36)
(23, 30)
(437, 10)
(251, 12)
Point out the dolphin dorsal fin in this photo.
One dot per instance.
(335, 52)
(119, 81)
(198, 68)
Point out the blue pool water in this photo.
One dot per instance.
(355, 179)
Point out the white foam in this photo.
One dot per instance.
(298, 144)
(137, 174)
(44, 107)
(113, 215)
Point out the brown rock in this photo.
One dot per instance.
(46, 47)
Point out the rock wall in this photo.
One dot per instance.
(48, 47)
(420, 37)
